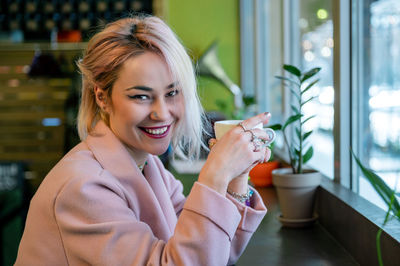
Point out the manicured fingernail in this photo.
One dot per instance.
(267, 114)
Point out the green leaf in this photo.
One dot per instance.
(288, 79)
(392, 199)
(292, 69)
(310, 73)
(310, 99)
(298, 133)
(303, 122)
(295, 94)
(307, 134)
(297, 152)
(249, 100)
(276, 126)
(295, 109)
(384, 191)
(308, 155)
(309, 86)
(291, 119)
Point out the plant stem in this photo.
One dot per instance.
(378, 235)
(290, 153)
(378, 247)
(299, 166)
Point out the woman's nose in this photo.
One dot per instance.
(160, 111)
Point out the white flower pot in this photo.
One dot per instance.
(296, 193)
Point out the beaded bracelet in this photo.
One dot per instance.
(243, 198)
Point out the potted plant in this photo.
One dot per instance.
(295, 185)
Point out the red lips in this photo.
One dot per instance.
(156, 132)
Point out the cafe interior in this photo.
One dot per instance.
(328, 71)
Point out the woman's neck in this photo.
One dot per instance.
(139, 157)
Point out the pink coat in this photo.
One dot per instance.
(95, 207)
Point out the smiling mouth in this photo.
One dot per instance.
(156, 132)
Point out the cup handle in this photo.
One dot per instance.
(271, 136)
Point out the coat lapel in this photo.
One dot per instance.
(148, 199)
(153, 176)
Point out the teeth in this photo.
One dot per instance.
(157, 131)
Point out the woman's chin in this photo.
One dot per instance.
(159, 151)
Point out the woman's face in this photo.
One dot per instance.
(146, 104)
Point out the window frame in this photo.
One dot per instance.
(254, 52)
(342, 82)
(252, 26)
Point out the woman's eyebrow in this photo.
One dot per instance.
(145, 88)
(172, 85)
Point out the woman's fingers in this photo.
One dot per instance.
(239, 150)
(255, 120)
(264, 136)
(267, 155)
(261, 154)
(211, 143)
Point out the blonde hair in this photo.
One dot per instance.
(123, 39)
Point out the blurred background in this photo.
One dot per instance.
(40, 41)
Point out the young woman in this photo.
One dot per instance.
(110, 201)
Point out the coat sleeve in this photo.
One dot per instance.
(97, 227)
(250, 219)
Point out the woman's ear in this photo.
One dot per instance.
(101, 98)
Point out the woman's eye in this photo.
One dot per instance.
(172, 93)
(139, 97)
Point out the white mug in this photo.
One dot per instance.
(223, 126)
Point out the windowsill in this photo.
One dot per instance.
(354, 222)
(273, 244)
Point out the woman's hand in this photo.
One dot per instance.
(234, 155)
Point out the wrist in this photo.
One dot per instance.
(244, 198)
(239, 184)
(216, 184)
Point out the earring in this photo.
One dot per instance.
(103, 99)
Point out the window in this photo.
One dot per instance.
(261, 54)
(316, 42)
(357, 44)
(378, 91)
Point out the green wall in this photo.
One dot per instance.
(198, 23)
